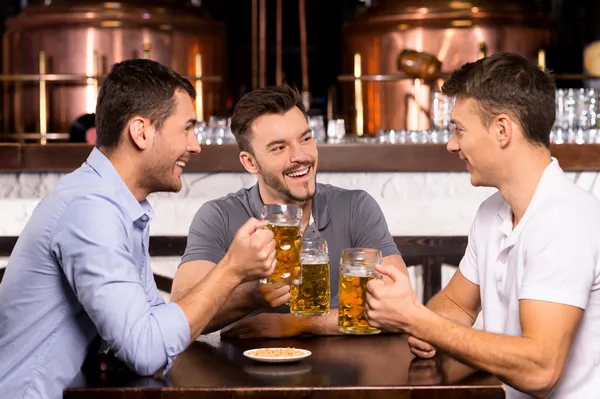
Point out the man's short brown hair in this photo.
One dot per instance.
(509, 83)
(259, 102)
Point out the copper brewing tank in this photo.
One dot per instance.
(453, 31)
(71, 41)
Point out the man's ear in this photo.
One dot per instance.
(141, 132)
(249, 162)
(502, 126)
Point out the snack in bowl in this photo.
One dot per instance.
(277, 352)
(277, 355)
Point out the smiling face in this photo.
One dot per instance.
(172, 147)
(473, 142)
(284, 156)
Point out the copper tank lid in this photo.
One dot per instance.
(163, 14)
(446, 13)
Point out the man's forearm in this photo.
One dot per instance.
(239, 305)
(518, 361)
(201, 303)
(323, 325)
(443, 305)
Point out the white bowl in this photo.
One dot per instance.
(277, 359)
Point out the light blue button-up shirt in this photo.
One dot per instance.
(81, 268)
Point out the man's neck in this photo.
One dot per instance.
(127, 170)
(268, 196)
(521, 180)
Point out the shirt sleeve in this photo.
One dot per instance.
(152, 294)
(207, 238)
(369, 228)
(560, 262)
(91, 243)
(468, 263)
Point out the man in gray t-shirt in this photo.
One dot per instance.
(277, 146)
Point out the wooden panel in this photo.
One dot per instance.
(10, 157)
(54, 158)
(351, 157)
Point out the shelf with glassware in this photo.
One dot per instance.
(350, 155)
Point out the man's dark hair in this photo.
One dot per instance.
(259, 102)
(509, 83)
(136, 87)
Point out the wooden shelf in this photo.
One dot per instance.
(332, 158)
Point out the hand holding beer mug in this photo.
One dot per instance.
(311, 296)
(251, 254)
(357, 267)
(285, 221)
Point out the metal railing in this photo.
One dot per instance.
(93, 81)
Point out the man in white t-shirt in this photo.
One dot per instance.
(532, 264)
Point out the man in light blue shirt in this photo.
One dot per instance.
(80, 270)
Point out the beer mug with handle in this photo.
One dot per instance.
(285, 222)
(357, 267)
(312, 296)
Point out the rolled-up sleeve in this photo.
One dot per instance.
(92, 244)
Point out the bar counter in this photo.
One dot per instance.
(347, 157)
(346, 367)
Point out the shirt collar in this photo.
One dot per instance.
(142, 211)
(543, 193)
(320, 209)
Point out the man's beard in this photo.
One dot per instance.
(156, 176)
(276, 184)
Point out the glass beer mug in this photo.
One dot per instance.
(357, 267)
(311, 296)
(284, 222)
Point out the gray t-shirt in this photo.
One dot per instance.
(344, 218)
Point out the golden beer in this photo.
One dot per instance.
(352, 317)
(356, 270)
(288, 246)
(311, 296)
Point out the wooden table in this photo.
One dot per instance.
(342, 367)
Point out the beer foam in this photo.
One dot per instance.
(284, 223)
(314, 260)
(357, 271)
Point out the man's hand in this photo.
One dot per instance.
(271, 295)
(390, 304)
(421, 349)
(251, 255)
(266, 325)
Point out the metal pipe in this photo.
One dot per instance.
(67, 77)
(278, 52)
(542, 59)
(262, 26)
(303, 49)
(482, 51)
(146, 48)
(43, 104)
(254, 44)
(199, 98)
(5, 101)
(330, 99)
(358, 99)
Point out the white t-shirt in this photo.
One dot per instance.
(552, 255)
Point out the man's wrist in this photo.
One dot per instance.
(419, 319)
(321, 325)
(226, 271)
